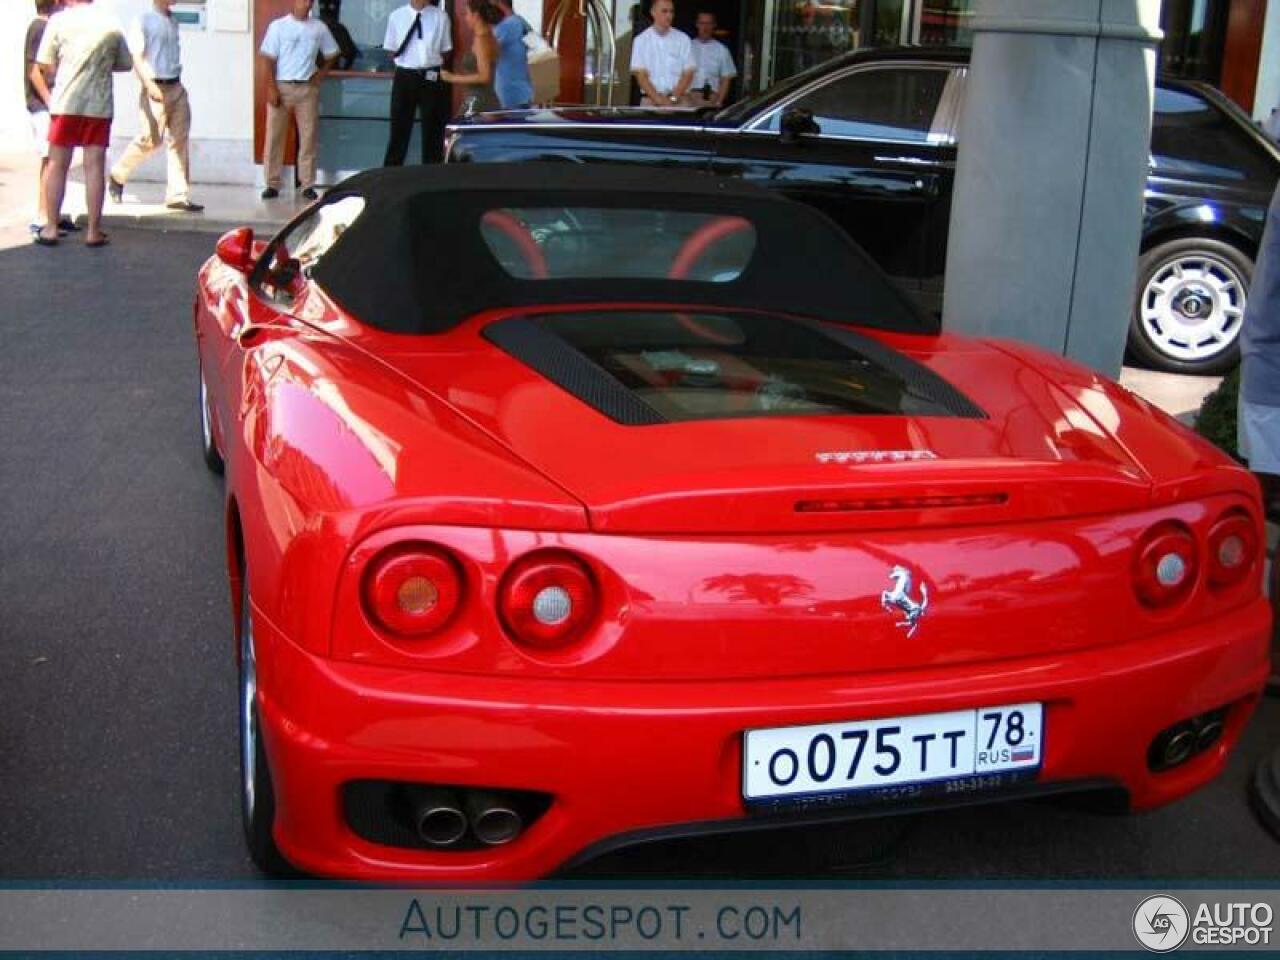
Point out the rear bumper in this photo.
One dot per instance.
(636, 759)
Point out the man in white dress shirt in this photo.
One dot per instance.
(290, 48)
(662, 60)
(418, 37)
(164, 111)
(715, 70)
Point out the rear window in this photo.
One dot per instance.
(1194, 138)
(712, 365)
(560, 243)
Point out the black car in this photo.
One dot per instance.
(881, 162)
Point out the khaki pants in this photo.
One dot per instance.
(168, 120)
(302, 100)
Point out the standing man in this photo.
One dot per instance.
(290, 49)
(1258, 419)
(662, 60)
(80, 49)
(418, 37)
(164, 111)
(38, 113)
(715, 70)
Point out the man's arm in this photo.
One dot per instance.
(682, 87)
(45, 65)
(268, 53)
(723, 92)
(329, 53)
(273, 92)
(640, 68)
(326, 64)
(147, 75)
(646, 85)
(690, 67)
(727, 72)
(124, 59)
(390, 42)
(39, 81)
(141, 65)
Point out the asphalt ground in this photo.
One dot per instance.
(118, 754)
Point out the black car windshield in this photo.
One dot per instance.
(660, 366)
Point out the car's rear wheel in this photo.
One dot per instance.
(257, 799)
(209, 445)
(1190, 306)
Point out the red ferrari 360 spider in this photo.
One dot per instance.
(569, 507)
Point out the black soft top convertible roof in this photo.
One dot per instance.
(415, 260)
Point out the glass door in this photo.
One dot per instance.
(799, 34)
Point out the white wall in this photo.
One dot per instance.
(217, 70)
(14, 17)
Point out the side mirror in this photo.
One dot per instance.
(235, 249)
(797, 122)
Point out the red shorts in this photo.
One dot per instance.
(70, 130)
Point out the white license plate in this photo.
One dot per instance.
(835, 757)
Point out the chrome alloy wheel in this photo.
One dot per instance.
(248, 713)
(1193, 306)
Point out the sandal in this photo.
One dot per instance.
(102, 241)
(41, 240)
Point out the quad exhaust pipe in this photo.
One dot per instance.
(438, 818)
(493, 820)
(441, 818)
(1178, 744)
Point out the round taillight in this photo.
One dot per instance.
(547, 600)
(1233, 548)
(1165, 569)
(412, 590)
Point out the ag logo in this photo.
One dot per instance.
(1161, 923)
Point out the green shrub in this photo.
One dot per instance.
(1216, 421)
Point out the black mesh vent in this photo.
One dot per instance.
(567, 368)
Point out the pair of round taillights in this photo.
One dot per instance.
(1168, 558)
(547, 599)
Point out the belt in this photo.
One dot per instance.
(167, 81)
(297, 83)
(430, 74)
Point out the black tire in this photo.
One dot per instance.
(208, 443)
(1218, 282)
(257, 807)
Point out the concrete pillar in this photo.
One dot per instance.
(1054, 144)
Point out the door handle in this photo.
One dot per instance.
(925, 186)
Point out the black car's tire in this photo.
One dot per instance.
(257, 797)
(1189, 306)
(208, 444)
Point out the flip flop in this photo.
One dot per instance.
(100, 242)
(41, 240)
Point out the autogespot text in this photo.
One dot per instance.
(432, 923)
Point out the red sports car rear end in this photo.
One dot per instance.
(527, 571)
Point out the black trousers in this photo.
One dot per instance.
(412, 92)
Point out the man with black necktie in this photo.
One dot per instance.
(418, 37)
